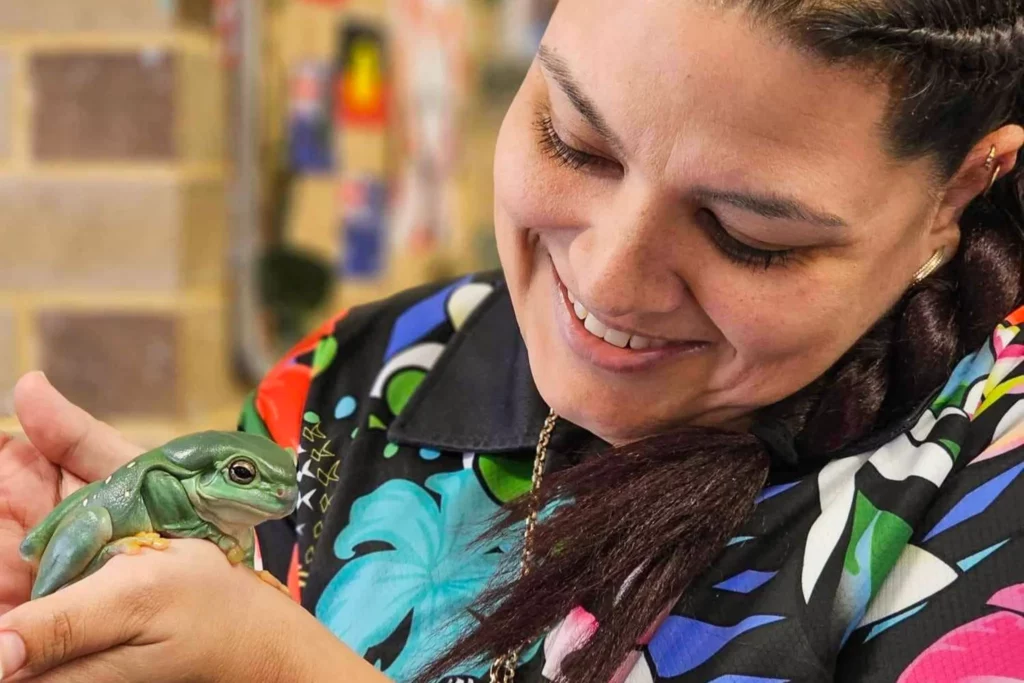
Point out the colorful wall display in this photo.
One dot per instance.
(309, 129)
(431, 64)
(362, 116)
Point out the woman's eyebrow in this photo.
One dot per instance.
(772, 206)
(562, 74)
(766, 205)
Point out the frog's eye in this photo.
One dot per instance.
(242, 472)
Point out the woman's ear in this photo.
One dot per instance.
(992, 158)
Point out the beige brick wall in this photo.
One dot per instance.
(86, 231)
(49, 16)
(8, 359)
(6, 106)
(114, 219)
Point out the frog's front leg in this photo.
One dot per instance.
(248, 543)
(234, 550)
(173, 514)
(79, 538)
(170, 509)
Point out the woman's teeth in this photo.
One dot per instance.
(612, 336)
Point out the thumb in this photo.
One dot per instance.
(65, 434)
(45, 634)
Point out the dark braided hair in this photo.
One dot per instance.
(648, 518)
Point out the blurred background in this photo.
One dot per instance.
(188, 186)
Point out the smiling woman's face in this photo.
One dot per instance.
(720, 207)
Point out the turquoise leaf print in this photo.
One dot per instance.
(431, 573)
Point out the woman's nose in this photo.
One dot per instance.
(623, 266)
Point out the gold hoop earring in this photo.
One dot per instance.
(988, 166)
(993, 179)
(930, 266)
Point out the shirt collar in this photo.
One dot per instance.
(479, 396)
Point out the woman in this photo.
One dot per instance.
(746, 391)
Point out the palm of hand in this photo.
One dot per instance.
(30, 487)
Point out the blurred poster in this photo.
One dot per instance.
(227, 23)
(365, 210)
(361, 113)
(430, 73)
(361, 95)
(309, 125)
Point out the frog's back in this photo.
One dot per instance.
(199, 451)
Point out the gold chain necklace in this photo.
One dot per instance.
(503, 669)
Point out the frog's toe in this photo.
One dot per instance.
(151, 540)
(272, 580)
(236, 555)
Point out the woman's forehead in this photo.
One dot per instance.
(693, 89)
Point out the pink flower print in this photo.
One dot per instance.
(569, 636)
(987, 649)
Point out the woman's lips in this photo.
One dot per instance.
(608, 348)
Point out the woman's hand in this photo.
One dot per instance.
(65, 447)
(181, 614)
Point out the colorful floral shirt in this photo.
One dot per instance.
(416, 418)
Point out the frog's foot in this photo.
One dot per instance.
(271, 580)
(151, 540)
(131, 545)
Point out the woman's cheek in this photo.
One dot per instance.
(532, 191)
(766, 316)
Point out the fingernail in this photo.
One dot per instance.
(12, 654)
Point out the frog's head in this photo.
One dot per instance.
(239, 479)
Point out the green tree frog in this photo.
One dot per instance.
(211, 485)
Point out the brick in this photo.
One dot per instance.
(19, 16)
(168, 364)
(95, 233)
(6, 105)
(112, 364)
(104, 106)
(8, 362)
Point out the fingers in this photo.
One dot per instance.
(83, 619)
(102, 669)
(67, 435)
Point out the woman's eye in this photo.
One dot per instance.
(554, 146)
(740, 252)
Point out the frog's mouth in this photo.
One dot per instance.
(231, 513)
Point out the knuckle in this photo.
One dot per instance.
(59, 639)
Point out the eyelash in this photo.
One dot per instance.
(743, 254)
(555, 147)
(736, 251)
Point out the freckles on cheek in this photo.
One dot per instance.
(771, 324)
